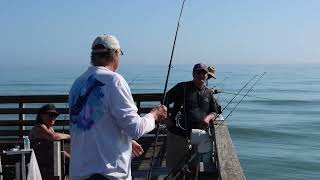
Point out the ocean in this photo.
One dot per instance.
(275, 129)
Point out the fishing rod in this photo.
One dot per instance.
(215, 91)
(239, 92)
(221, 82)
(245, 95)
(164, 93)
(236, 96)
(173, 47)
(135, 78)
(224, 92)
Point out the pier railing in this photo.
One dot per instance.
(17, 116)
(19, 111)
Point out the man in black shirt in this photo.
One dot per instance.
(194, 106)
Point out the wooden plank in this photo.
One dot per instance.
(30, 122)
(34, 99)
(4, 133)
(21, 117)
(147, 97)
(141, 165)
(17, 122)
(16, 132)
(10, 141)
(228, 163)
(28, 110)
(64, 98)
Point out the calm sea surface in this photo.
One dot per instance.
(276, 129)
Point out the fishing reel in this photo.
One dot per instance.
(215, 91)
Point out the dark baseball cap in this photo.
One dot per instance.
(200, 66)
(49, 108)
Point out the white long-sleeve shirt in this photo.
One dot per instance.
(103, 121)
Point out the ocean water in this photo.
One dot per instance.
(275, 129)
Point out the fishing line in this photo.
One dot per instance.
(164, 94)
(224, 92)
(222, 84)
(245, 95)
(134, 79)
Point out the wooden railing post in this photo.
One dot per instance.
(57, 159)
(21, 118)
(63, 168)
(138, 105)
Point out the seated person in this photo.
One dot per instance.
(42, 134)
(43, 129)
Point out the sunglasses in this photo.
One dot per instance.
(201, 72)
(52, 115)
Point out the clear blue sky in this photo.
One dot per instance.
(212, 31)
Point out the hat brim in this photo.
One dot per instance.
(211, 72)
(95, 51)
(53, 111)
(211, 75)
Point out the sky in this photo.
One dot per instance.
(211, 31)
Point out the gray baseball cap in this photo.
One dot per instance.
(107, 41)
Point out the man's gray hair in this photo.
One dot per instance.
(99, 54)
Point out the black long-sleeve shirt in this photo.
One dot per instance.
(193, 103)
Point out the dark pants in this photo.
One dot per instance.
(97, 177)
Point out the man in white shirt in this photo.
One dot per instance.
(104, 119)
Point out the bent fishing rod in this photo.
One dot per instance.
(245, 95)
(164, 93)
